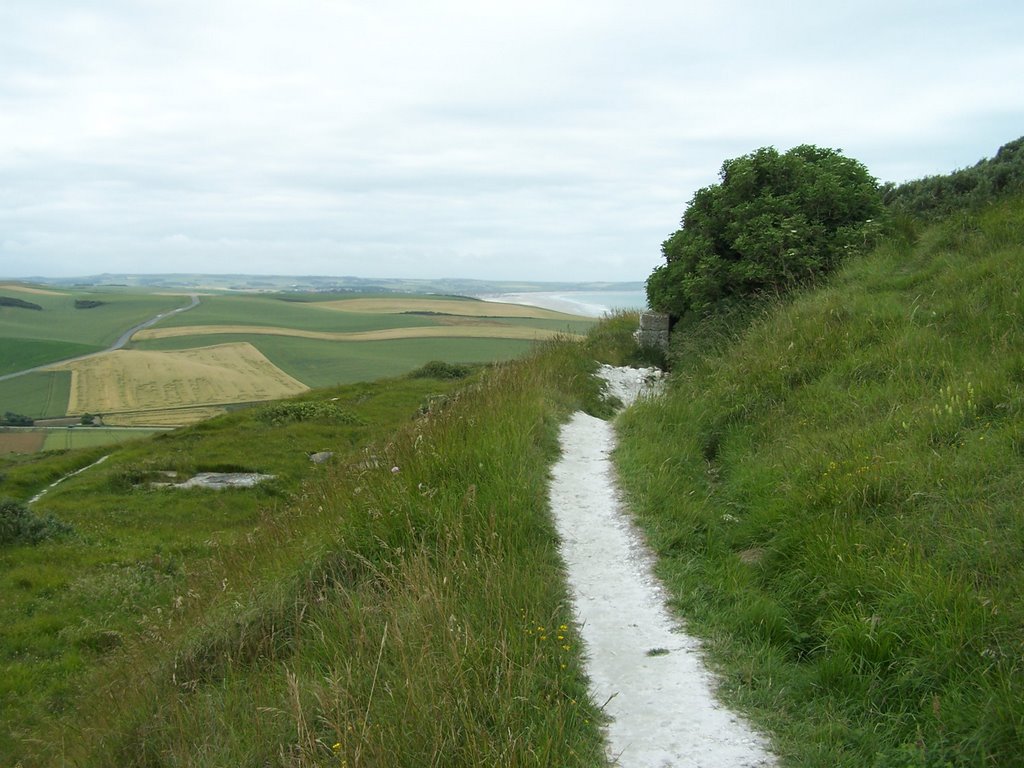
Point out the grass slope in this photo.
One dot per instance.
(834, 496)
(401, 605)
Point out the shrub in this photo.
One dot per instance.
(12, 419)
(775, 221)
(8, 301)
(989, 180)
(19, 526)
(438, 369)
(305, 410)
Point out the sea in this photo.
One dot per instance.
(586, 303)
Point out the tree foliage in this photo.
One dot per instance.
(775, 221)
(11, 419)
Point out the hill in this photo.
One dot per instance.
(379, 607)
(832, 486)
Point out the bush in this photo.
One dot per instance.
(306, 410)
(19, 526)
(438, 369)
(987, 181)
(8, 301)
(775, 221)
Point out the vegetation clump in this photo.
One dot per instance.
(987, 181)
(774, 222)
(88, 303)
(10, 301)
(438, 369)
(11, 419)
(18, 525)
(290, 411)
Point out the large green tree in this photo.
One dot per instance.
(775, 221)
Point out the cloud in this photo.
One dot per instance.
(526, 140)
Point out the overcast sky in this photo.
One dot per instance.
(519, 140)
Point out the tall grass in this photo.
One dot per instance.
(394, 611)
(834, 495)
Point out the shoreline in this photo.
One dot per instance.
(583, 303)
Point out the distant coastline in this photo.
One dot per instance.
(586, 303)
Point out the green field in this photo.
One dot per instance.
(98, 327)
(323, 363)
(323, 315)
(37, 395)
(63, 438)
(269, 310)
(90, 437)
(19, 354)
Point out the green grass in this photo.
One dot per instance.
(22, 354)
(59, 323)
(37, 395)
(324, 363)
(307, 315)
(834, 498)
(86, 437)
(264, 627)
(274, 311)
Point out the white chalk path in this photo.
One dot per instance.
(643, 668)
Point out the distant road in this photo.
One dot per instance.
(125, 337)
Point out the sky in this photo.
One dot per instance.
(520, 140)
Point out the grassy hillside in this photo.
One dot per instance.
(403, 601)
(834, 494)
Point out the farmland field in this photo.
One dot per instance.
(131, 380)
(319, 363)
(20, 354)
(164, 417)
(240, 348)
(477, 330)
(42, 439)
(97, 327)
(279, 312)
(37, 395)
(21, 441)
(447, 306)
(88, 437)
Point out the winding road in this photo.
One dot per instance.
(120, 343)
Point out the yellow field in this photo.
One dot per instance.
(477, 330)
(405, 304)
(28, 289)
(137, 380)
(170, 417)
